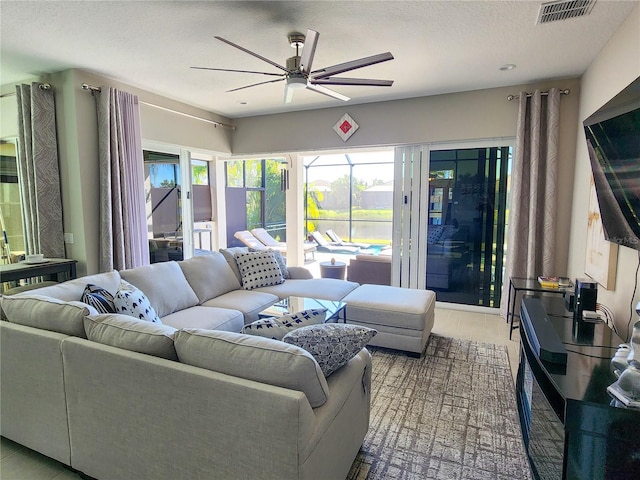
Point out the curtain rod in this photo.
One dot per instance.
(566, 91)
(216, 124)
(41, 86)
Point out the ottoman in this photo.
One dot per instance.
(403, 317)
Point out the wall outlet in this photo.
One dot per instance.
(68, 238)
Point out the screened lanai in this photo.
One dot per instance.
(350, 194)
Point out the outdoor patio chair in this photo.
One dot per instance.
(324, 246)
(338, 241)
(249, 240)
(268, 241)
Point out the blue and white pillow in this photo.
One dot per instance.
(130, 300)
(331, 344)
(99, 298)
(278, 327)
(258, 269)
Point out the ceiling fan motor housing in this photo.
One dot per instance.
(293, 64)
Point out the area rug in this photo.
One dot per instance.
(450, 415)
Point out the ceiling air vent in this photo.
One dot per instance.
(564, 9)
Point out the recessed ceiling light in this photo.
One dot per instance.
(242, 102)
(507, 67)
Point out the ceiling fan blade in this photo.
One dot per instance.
(239, 71)
(309, 51)
(327, 92)
(264, 59)
(352, 65)
(255, 84)
(351, 81)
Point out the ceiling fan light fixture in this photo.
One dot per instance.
(296, 40)
(297, 83)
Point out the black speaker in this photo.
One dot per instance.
(586, 297)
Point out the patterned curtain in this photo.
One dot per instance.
(123, 227)
(531, 232)
(38, 171)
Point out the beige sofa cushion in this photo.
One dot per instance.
(47, 313)
(128, 333)
(249, 302)
(164, 284)
(254, 358)
(229, 255)
(209, 275)
(406, 308)
(323, 288)
(210, 318)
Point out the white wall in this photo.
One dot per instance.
(616, 66)
(482, 114)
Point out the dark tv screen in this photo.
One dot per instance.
(613, 141)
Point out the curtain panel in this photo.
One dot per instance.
(38, 171)
(531, 230)
(123, 227)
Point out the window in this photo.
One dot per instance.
(255, 197)
(351, 194)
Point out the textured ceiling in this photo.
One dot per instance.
(439, 46)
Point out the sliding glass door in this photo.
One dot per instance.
(179, 205)
(467, 222)
(450, 218)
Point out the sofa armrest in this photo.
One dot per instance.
(299, 273)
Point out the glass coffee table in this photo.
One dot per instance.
(335, 309)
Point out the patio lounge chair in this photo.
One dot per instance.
(269, 242)
(336, 240)
(249, 240)
(324, 246)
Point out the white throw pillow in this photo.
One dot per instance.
(258, 269)
(331, 344)
(278, 327)
(130, 300)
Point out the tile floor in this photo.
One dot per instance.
(20, 463)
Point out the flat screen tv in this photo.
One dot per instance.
(613, 141)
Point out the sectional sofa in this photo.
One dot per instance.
(186, 398)
(189, 396)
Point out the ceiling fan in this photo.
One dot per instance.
(298, 74)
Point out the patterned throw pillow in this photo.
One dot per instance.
(331, 344)
(258, 269)
(282, 263)
(434, 234)
(129, 300)
(99, 298)
(278, 327)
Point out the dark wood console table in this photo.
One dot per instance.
(57, 269)
(570, 426)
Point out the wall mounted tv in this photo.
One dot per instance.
(613, 141)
